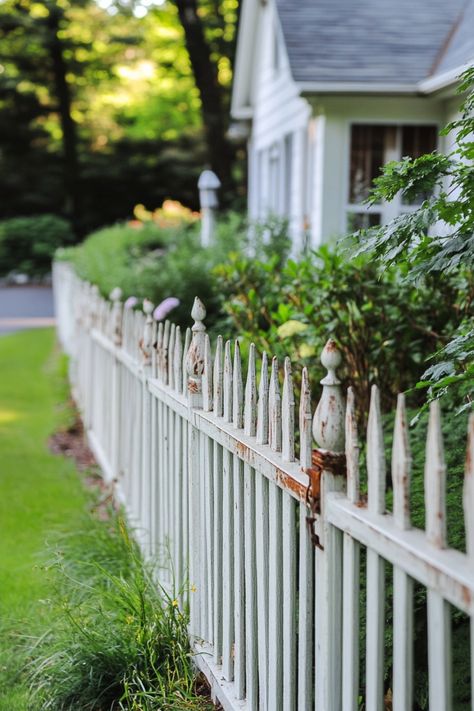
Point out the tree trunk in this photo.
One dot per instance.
(214, 109)
(68, 126)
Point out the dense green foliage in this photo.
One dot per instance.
(291, 307)
(119, 641)
(27, 244)
(437, 239)
(100, 110)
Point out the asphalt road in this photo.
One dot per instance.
(24, 307)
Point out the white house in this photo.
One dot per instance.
(331, 90)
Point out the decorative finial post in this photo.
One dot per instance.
(195, 354)
(115, 297)
(147, 340)
(208, 185)
(328, 421)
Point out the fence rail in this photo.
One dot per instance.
(204, 461)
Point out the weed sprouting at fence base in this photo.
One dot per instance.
(120, 641)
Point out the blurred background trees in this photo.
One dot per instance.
(106, 104)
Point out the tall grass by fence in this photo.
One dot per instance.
(204, 461)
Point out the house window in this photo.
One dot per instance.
(372, 146)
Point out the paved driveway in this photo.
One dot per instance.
(25, 307)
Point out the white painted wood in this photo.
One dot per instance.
(274, 409)
(262, 515)
(251, 583)
(289, 602)
(435, 481)
(171, 356)
(305, 421)
(178, 361)
(439, 653)
(227, 383)
(187, 343)
(352, 449)
(238, 390)
(375, 616)
(218, 392)
(375, 455)
(402, 696)
(217, 576)
(227, 565)
(250, 404)
(164, 352)
(305, 613)
(275, 601)
(239, 572)
(207, 376)
(262, 408)
(401, 467)
(288, 415)
(350, 624)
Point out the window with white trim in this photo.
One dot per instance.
(373, 145)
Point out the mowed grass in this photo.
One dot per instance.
(38, 493)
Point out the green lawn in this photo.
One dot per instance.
(38, 491)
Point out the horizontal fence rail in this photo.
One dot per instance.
(282, 561)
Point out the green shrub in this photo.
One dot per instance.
(27, 244)
(120, 642)
(385, 329)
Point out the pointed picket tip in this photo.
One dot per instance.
(262, 406)
(238, 389)
(227, 383)
(288, 414)
(274, 409)
(435, 480)
(468, 494)
(352, 449)
(218, 394)
(250, 402)
(178, 360)
(187, 343)
(207, 376)
(375, 455)
(306, 420)
(401, 467)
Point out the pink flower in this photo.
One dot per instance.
(130, 302)
(163, 309)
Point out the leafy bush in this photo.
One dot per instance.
(120, 641)
(155, 259)
(27, 244)
(384, 329)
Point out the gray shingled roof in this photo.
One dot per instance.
(389, 41)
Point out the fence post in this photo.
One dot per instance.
(329, 466)
(145, 493)
(115, 297)
(195, 359)
(208, 185)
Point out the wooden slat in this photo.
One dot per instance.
(164, 352)
(375, 564)
(227, 383)
(239, 577)
(218, 393)
(252, 581)
(261, 527)
(227, 567)
(250, 405)
(288, 415)
(289, 602)
(439, 653)
(262, 407)
(305, 614)
(218, 545)
(274, 409)
(207, 376)
(178, 361)
(171, 356)
(352, 449)
(435, 481)
(238, 390)
(402, 583)
(275, 601)
(187, 343)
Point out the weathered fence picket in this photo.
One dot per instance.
(264, 546)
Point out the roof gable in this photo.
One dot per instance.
(372, 41)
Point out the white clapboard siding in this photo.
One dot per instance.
(213, 470)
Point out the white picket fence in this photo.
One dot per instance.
(205, 466)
